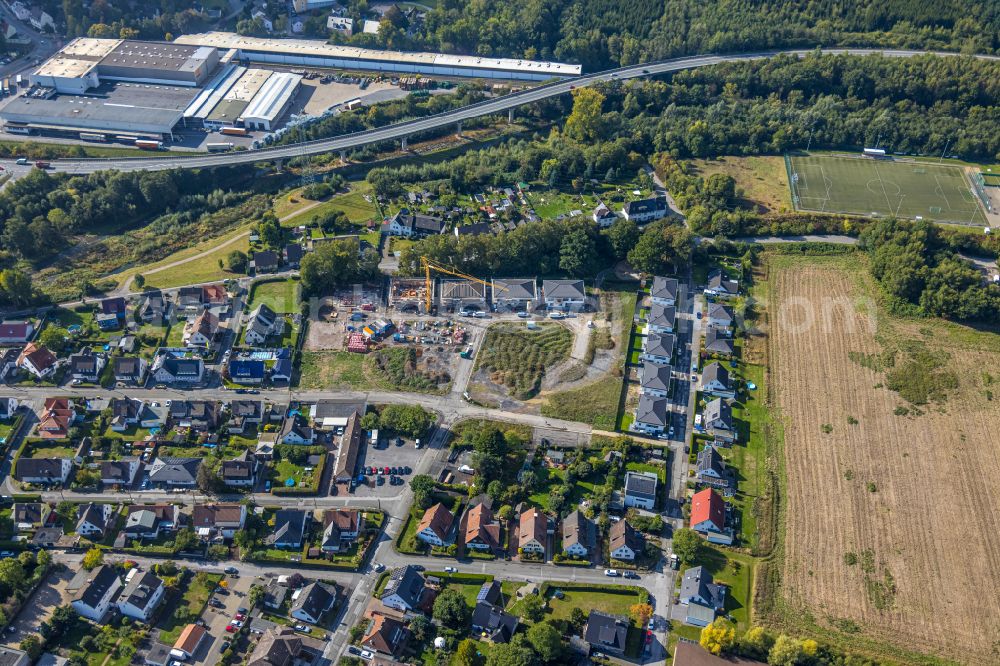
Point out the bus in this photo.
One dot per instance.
(125, 138)
(219, 147)
(90, 136)
(352, 104)
(234, 131)
(146, 144)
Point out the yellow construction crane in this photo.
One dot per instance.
(430, 265)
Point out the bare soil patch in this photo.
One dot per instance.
(891, 522)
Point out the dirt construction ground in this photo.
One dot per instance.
(913, 499)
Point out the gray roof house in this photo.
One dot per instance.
(716, 342)
(143, 593)
(718, 419)
(704, 598)
(579, 535)
(289, 528)
(404, 589)
(659, 348)
(664, 291)
(513, 293)
(711, 468)
(721, 286)
(720, 316)
(175, 472)
(656, 379)
(492, 623)
(651, 415)
(309, 603)
(715, 381)
(564, 294)
(661, 318)
(95, 598)
(606, 633)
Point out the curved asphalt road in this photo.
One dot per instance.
(401, 130)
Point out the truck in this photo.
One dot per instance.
(219, 147)
(234, 131)
(23, 161)
(148, 144)
(40, 164)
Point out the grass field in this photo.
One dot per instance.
(352, 204)
(840, 184)
(890, 537)
(763, 179)
(194, 597)
(280, 295)
(596, 404)
(194, 268)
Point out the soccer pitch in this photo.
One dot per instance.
(839, 184)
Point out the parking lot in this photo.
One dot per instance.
(39, 607)
(389, 454)
(216, 619)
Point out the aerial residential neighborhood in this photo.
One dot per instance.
(481, 334)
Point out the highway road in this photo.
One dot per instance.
(399, 131)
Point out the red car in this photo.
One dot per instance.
(385, 470)
(240, 617)
(230, 628)
(649, 636)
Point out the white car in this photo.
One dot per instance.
(450, 570)
(367, 654)
(611, 573)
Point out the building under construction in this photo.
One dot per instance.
(461, 294)
(408, 294)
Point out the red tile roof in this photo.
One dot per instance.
(708, 505)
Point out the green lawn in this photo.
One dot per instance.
(132, 434)
(196, 591)
(736, 571)
(614, 599)
(280, 296)
(6, 427)
(284, 470)
(195, 270)
(352, 204)
(596, 403)
(549, 478)
(50, 450)
(330, 369)
(175, 338)
(750, 455)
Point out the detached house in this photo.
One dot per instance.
(489, 621)
(651, 416)
(655, 379)
(718, 420)
(27, 516)
(240, 472)
(265, 261)
(645, 210)
(721, 317)
(564, 295)
(247, 371)
(130, 369)
(147, 521)
(289, 529)
(174, 472)
(435, 526)
(720, 286)
(201, 331)
(404, 589)
(119, 472)
(514, 293)
(143, 593)
(410, 225)
(114, 311)
(96, 598)
(57, 416)
(664, 291)
(606, 633)
(296, 430)
(386, 635)
(661, 318)
(640, 490)
(37, 360)
(198, 415)
(718, 342)
(216, 522)
(341, 527)
(604, 216)
(171, 368)
(312, 601)
(715, 381)
(702, 596)
(94, 519)
(659, 348)
(708, 517)
(244, 415)
(711, 469)
(579, 535)
(532, 532)
(43, 471)
(625, 542)
(86, 367)
(264, 323)
(481, 531)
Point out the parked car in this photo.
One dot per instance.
(302, 627)
(631, 574)
(380, 480)
(367, 654)
(223, 646)
(231, 570)
(230, 628)
(450, 570)
(611, 573)
(267, 486)
(378, 566)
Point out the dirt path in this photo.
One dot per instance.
(125, 287)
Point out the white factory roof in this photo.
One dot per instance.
(249, 85)
(213, 93)
(78, 57)
(273, 96)
(317, 48)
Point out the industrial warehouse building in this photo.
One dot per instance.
(124, 90)
(316, 53)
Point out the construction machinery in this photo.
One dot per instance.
(429, 265)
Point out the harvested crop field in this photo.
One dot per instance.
(891, 527)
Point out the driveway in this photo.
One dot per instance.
(216, 619)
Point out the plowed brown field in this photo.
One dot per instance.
(926, 535)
